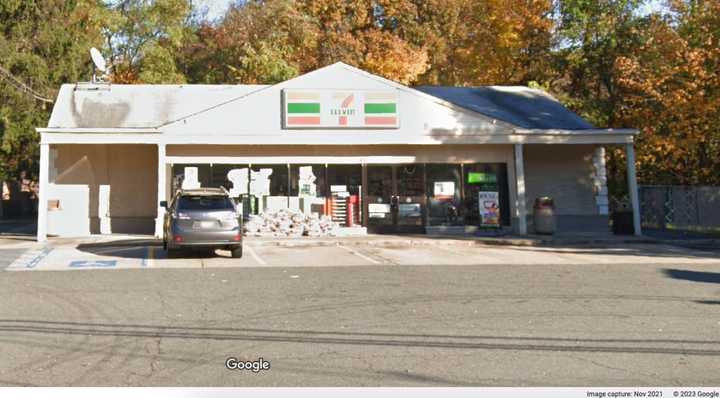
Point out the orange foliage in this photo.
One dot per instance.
(671, 92)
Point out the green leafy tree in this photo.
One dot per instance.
(43, 43)
(142, 38)
(591, 36)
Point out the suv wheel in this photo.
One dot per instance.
(236, 252)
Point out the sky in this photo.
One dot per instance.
(651, 6)
(216, 8)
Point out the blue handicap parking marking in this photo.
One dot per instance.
(39, 257)
(94, 263)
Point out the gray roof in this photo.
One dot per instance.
(521, 106)
(86, 105)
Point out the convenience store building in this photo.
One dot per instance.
(372, 153)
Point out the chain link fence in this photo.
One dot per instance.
(689, 208)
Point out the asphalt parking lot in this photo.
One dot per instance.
(139, 253)
(359, 315)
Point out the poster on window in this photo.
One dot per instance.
(444, 190)
(260, 182)
(190, 178)
(489, 206)
(306, 182)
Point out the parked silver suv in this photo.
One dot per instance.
(202, 218)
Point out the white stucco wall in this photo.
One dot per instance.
(563, 172)
(78, 171)
(259, 114)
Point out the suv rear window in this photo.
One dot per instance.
(203, 202)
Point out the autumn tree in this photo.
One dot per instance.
(271, 41)
(256, 42)
(365, 34)
(670, 89)
(455, 42)
(602, 58)
(481, 42)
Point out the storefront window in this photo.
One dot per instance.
(308, 189)
(380, 183)
(348, 175)
(410, 180)
(307, 180)
(269, 180)
(233, 177)
(190, 176)
(486, 201)
(345, 184)
(268, 187)
(444, 192)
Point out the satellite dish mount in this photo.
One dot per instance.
(100, 65)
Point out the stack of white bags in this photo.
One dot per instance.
(289, 223)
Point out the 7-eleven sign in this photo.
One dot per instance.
(340, 109)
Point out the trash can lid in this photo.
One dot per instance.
(544, 201)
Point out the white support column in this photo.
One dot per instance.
(600, 181)
(632, 187)
(161, 194)
(520, 202)
(43, 192)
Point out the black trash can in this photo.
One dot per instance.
(622, 222)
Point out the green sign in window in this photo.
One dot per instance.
(481, 178)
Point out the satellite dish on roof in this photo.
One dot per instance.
(98, 60)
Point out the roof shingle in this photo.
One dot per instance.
(521, 106)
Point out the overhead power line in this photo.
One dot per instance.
(22, 87)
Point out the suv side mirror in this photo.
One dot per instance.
(163, 203)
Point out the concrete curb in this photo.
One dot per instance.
(444, 241)
(412, 241)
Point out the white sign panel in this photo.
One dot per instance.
(444, 189)
(378, 208)
(260, 182)
(190, 178)
(306, 182)
(338, 188)
(340, 109)
(239, 179)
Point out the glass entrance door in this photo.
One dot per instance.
(410, 198)
(381, 217)
(396, 198)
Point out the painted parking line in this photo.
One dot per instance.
(254, 255)
(69, 259)
(30, 259)
(149, 258)
(355, 252)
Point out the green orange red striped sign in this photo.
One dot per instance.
(340, 108)
(302, 108)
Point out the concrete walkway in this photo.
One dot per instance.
(596, 240)
(415, 240)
